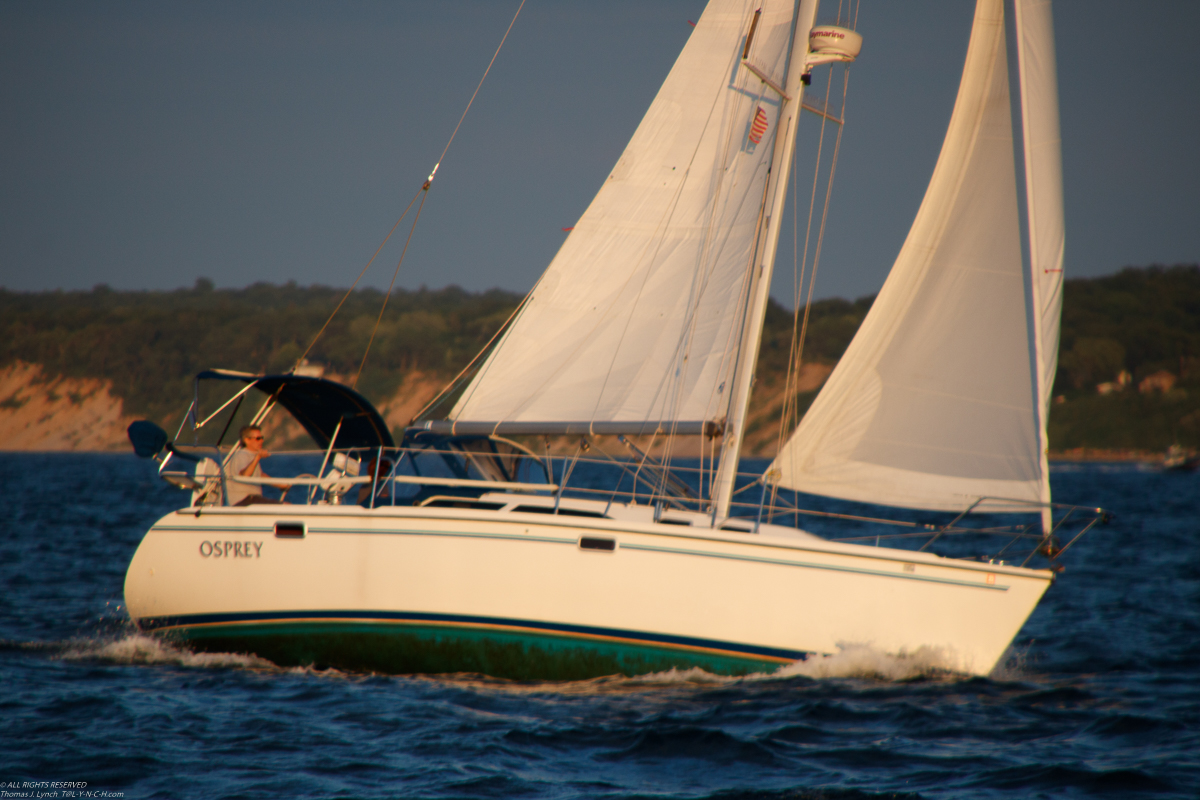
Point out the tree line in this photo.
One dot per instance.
(149, 344)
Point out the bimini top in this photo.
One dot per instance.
(318, 405)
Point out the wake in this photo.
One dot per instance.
(851, 661)
(862, 661)
(140, 649)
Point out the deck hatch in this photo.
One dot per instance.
(461, 502)
(562, 512)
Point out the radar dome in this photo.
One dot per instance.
(835, 41)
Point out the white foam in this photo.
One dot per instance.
(690, 675)
(851, 661)
(1013, 665)
(863, 661)
(140, 649)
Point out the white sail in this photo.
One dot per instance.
(638, 316)
(940, 397)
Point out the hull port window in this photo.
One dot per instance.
(597, 543)
(289, 530)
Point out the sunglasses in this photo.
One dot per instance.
(248, 438)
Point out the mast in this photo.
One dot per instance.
(764, 256)
(1041, 141)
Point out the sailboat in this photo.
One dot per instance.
(471, 552)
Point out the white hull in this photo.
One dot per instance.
(653, 306)
(670, 595)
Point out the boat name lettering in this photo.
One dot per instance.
(230, 549)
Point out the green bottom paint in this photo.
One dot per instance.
(433, 649)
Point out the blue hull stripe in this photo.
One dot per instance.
(572, 631)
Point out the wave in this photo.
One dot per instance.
(138, 649)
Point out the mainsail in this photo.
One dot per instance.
(638, 317)
(942, 396)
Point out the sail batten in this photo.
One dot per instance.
(940, 398)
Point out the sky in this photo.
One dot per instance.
(144, 145)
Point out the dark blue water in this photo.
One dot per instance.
(1100, 698)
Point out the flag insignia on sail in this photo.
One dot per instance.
(759, 126)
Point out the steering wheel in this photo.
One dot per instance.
(284, 494)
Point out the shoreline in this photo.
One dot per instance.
(1103, 455)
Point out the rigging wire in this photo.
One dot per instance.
(799, 339)
(789, 415)
(798, 330)
(789, 418)
(837, 145)
(350, 291)
(388, 295)
(420, 193)
(449, 387)
(477, 88)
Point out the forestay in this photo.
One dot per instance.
(637, 317)
(941, 397)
